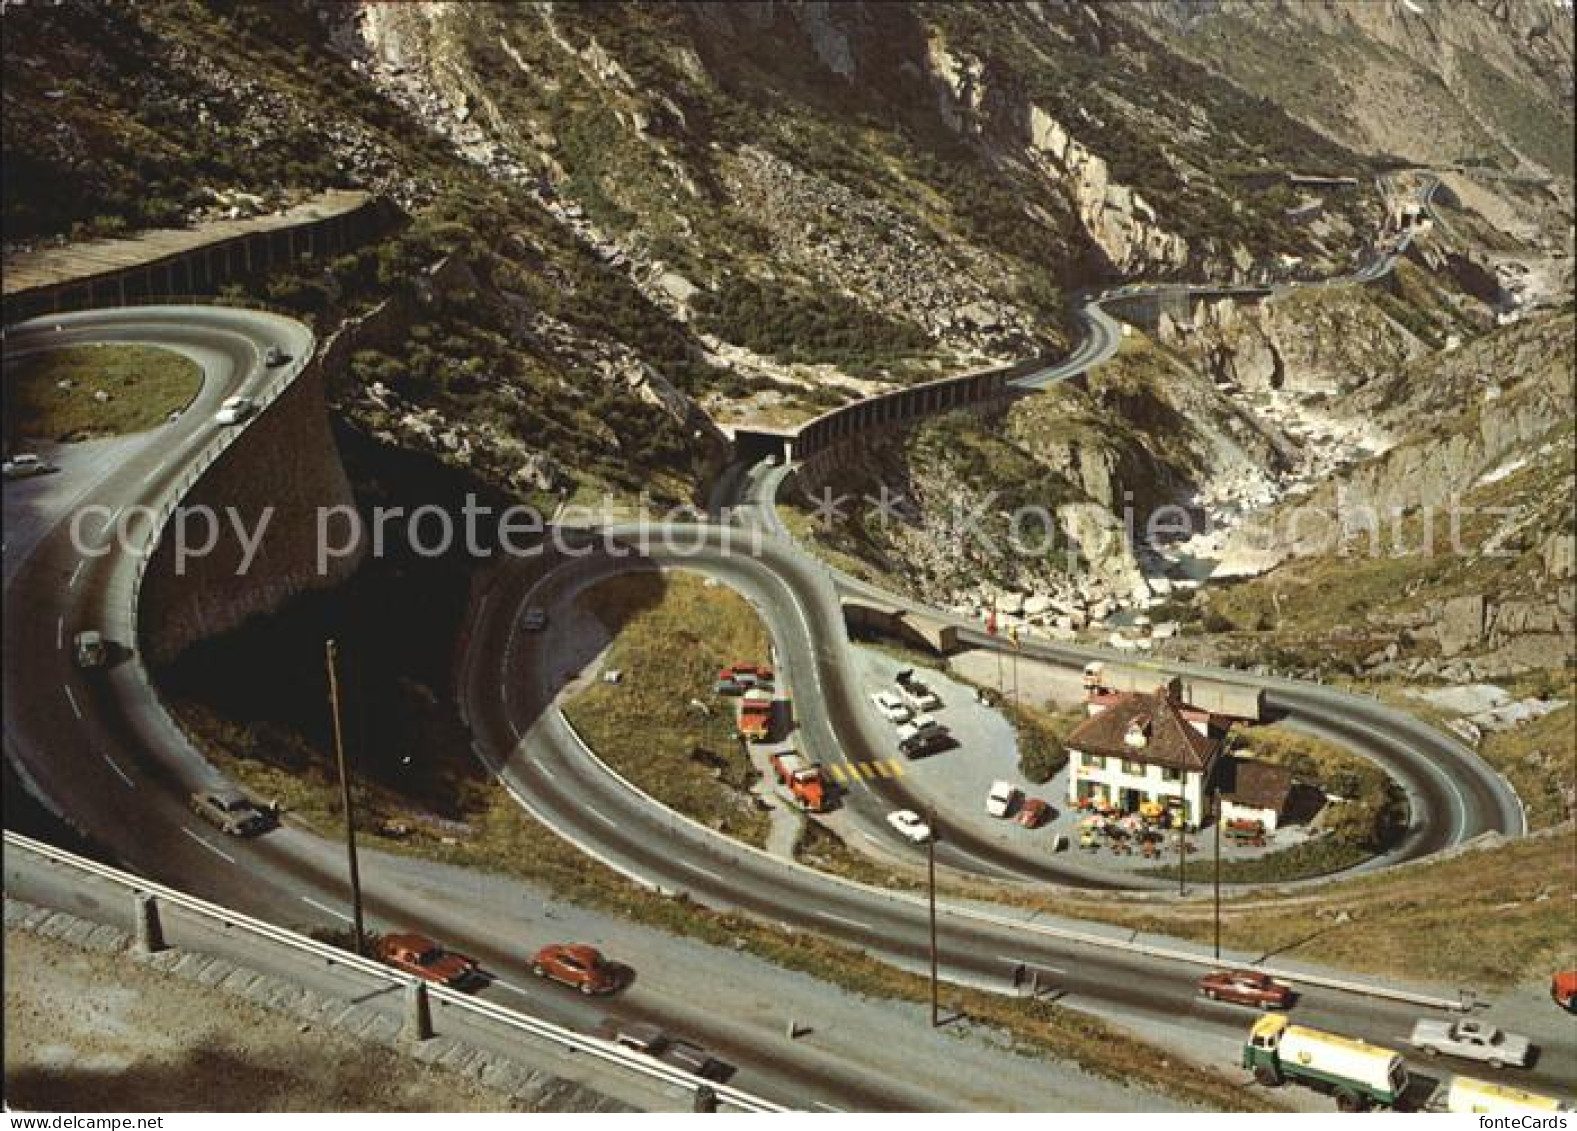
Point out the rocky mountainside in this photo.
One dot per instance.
(1435, 82)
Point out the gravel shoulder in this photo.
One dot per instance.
(91, 1031)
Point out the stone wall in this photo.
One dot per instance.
(285, 465)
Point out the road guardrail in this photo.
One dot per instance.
(607, 1052)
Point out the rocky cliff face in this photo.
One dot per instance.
(1122, 223)
(1434, 81)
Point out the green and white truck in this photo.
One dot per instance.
(1359, 1075)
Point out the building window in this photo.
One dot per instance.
(1094, 762)
(1169, 774)
(1134, 768)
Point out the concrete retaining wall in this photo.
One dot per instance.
(150, 267)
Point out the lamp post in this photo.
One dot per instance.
(330, 659)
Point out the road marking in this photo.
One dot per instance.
(829, 1107)
(216, 851)
(158, 467)
(545, 772)
(521, 990)
(72, 699)
(60, 632)
(129, 783)
(1028, 965)
(72, 584)
(109, 523)
(307, 899)
(701, 870)
(601, 816)
(837, 771)
(846, 922)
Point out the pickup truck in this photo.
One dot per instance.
(1471, 1040)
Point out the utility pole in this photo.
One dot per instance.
(1215, 812)
(1182, 855)
(930, 856)
(331, 659)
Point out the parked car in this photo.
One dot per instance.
(916, 693)
(1033, 813)
(652, 1041)
(909, 825)
(232, 812)
(420, 955)
(1246, 987)
(1471, 1039)
(916, 725)
(275, 357)
(1563, 990)
(534, 619)
(234, 410)
(25, 465)
(892, 708)
(1001, 798)
(926, 742)
(582, 967)
(89, 649)
(746, 675)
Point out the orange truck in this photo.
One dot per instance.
(803, 779)
(755, 715)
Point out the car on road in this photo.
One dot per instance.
(89, 649)
(1246, 987)
(1001, 798)
(232, 812)
(909, 825)
(534, 619)
(1033, 813)
(892, 708)
(915, 693)
(652, 1041)
(234, 410)
(25, 465)
(1471, 1039)
(420, 955)
(275, 357)
(582, 967)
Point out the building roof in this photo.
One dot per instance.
(1161, 736)
(1256, 785)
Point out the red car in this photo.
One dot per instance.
(582, 967)
(420, 955)
(1033, 813)
(1246, 987)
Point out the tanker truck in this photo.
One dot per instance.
(1359, 1075)
(1467, 1096)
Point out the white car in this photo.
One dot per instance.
(916, 694)
(234, 410)
(909, 825)
(891, 707)
(918, 724)
(1003, 796)
(26, 465)
(275, 357)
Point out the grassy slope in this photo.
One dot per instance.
(145, 384)
(1482, 918)
(672, 633)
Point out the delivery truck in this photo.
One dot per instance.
(755, 715)
(803, 778)
(1358, 1074)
